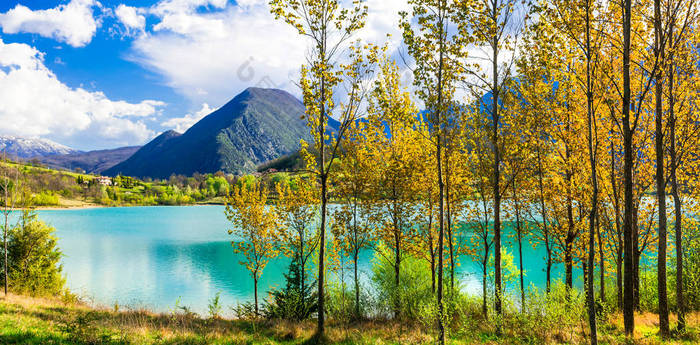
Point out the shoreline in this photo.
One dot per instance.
(94, 206)
(85, 207)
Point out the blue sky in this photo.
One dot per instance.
(101, 74)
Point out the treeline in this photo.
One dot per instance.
(576, 121)
(48, 187)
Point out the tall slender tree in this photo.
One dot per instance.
(329, 26)
(434, 52)
(492, 24)
(659, 54)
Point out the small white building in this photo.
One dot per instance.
(104, 180)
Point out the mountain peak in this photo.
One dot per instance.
(256, 126)
(31, 147)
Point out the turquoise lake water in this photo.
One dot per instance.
(153, 256)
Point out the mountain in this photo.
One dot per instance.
(25, 147)
(92, 161)
(256, 126)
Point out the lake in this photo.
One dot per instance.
(152, 256)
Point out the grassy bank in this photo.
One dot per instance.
(25, 320)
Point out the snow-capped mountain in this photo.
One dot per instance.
(34, 147)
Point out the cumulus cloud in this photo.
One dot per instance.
(182, 124)
(210, 50)
(35, 103)
(72, 23)
(131, 17)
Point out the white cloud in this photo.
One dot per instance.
(72, 23)
(209, 50)
(130, 17)
(34, 103)
(182, 124)
(382, 19)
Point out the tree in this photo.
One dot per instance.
(355, 218)
(660, 55)
(297, 300)
(683, 124)
(391, 143)
(538, 103)
(576, 21)
(328, 26)
(297, 210)
(254, 225)
(9, 189)
(434, 52)
(480, 209)
(491, 24)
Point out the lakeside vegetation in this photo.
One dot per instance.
(573, 153)
(46, 187)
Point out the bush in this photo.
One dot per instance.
(34, 258)
(691, 267)
(557, 313)
(215, 306)
(414, 290)
(45, 199)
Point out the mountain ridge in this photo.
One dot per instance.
(256, 126)
(92, 162)
(20, 147)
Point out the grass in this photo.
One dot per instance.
(26, 320)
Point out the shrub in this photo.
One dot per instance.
(414, 290)
(34, 258)
(45, 199)
(691, 267)
(557, 313)
(215, 306)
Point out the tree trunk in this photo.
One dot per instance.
(618, 278)
(397, 272)
(660, 175)
(628, 136)
(4, 240)
(520, 258)
(432, 273)
(616, 204)
(601, 252)
(496, 172)
(484, 281)
(637, 256)
(594, 182)
(450, 240)
(321, 256)
(549, 270)
(441, 183)
(302, 266)
(357, 286)
(569, 264)
(324, 200)
(255, 285)
(543, 212)
(677, 206)
(570, 236)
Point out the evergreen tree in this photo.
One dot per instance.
(297, 300)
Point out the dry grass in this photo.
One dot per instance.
(27, 320)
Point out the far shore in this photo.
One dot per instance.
(91, 206)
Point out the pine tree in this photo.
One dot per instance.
(297, 300)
